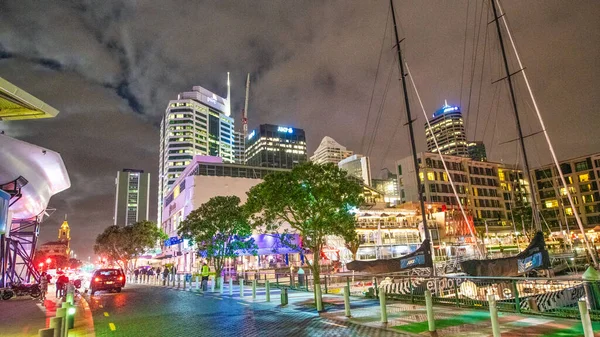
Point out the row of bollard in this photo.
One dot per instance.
(63, 321)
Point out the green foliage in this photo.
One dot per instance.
(315, 200)
(220, 228)
(124, 244)
(352, 242)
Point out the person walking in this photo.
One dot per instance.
(205, 271)
(43, 287)
(158, 272)
(137, 274)
(165, 275)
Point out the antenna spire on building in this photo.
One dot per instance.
(228, 106)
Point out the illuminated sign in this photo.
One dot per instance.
(251, 134)
(451, 108)
(285, 129)
(173, 241)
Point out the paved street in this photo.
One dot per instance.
(141, 310)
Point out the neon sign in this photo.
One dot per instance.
(451, 108)
(251, 134)
(285, 129)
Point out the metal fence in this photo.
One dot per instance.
(536, 296)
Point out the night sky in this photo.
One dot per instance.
(110, 68)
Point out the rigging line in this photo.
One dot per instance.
(476, 34)
(487, 122)
(442, 159)
(481, 79)
(495, 119)
(362, 142)
(380, 111)
(462, 78)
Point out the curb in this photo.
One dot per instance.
(84, 320)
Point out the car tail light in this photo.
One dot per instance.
(97, 279)
(120, 278)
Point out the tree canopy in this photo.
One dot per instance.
(124, 244)
(221, 230)
(314, 199)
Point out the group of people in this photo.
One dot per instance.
(61, 285)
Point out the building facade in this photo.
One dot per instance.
(62, 247)
(357, 166)
(239, 146)
(198, 122)
(448, 128)
(204, 178)
(387, 183)
(275, 146)
(330, 151)
(583, 177)
(477, 151)
(132, 197)
(485, 189)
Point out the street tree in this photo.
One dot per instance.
(124, 245)
(352, 242)
(315, 200)
(220, 229)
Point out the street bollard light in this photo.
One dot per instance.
(382, 305)
(71, 317)
(267, 291)
(585, 319)
(242, 287)
(56, 323)
(178, 281)
(347, 301)
(62, 314)
(284, 296)
(230, 286)
(429, 306)
(494, 315)
(254, 289)
(184, 281)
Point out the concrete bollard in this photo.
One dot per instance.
(212, 284)
(62, 314)
(494, 315)
(267, 291)
(585, 319)
(347, 301)
(284, 296)
(49, 332)
(429, 306)
(178, 281)
(319, 298)
(197, 283)
(254, 289)
(184, 282)
(382, 305)
(230, 286)
(242, 287)
(56, 323)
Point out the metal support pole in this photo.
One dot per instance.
(242, 287)
(284, 296)
(494, 315)
(517, 300)
(382, 305)
(267, 291)
(347, 301)
(429, 306)
(326, 284)
(230, 286)
(254, 289)
(585, 319)
(56, 323)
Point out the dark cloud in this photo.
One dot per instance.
(110, 67)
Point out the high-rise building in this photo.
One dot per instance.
(275, 146)
(239, 145)
(198, 122)
(357, 166)
(449, 130)
(388, 184)
(486, 190)
(132, 197)
(330, 151)
(583, 178)
(477, 151)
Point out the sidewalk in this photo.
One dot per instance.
(411, 319)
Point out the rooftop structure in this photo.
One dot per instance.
(330, 151)
(16, 104)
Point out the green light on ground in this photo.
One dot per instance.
(71, 311)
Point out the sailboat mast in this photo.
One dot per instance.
(534, 206)
(410, 126)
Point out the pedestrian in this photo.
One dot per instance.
(61, 283)
(137, 274)
(144, 274)
(43, 286)
(157, 272)
(165, 275)
(205, 273)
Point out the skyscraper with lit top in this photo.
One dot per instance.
(448, 128)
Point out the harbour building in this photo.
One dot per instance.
(330, 151)
(198, 122)
(275, 146)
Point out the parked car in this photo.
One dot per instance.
(107, 279)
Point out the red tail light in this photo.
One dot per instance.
(97, 279)
(120, 278)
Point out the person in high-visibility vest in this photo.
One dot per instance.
(205, 272)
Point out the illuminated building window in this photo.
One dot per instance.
(421, 176)
(551, 203)
(584, 177)
(430, 176)
(568, 211)
(445, 176)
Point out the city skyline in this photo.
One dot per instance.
(112, 98)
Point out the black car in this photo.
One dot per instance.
(107, 279)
